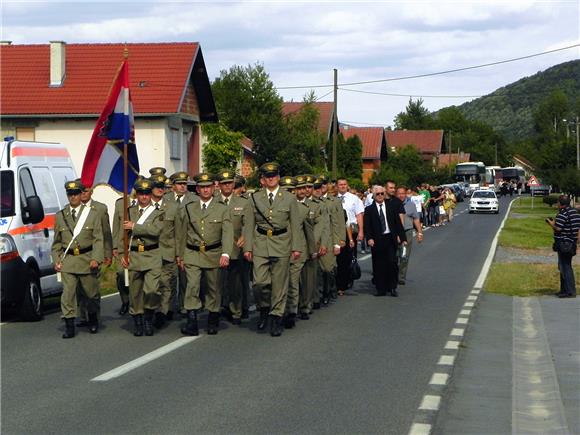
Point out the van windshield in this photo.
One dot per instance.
(7, 200)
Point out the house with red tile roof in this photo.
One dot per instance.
(325, 110)
(247, 163)
(452, 159)
(374, 147)
(55, 93)
(428, 142)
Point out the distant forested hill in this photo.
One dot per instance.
(509, 109)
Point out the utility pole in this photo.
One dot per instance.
(335, 126)
(577, 146)
(496, 154)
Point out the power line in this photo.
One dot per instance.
(409, 95)
(515, 59)
(364, 123)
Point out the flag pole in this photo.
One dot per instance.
(126, 194)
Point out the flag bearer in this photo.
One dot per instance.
(144, 225)
(205, 245)
(77, 252)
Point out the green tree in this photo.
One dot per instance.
(415, 117)
(348, 157)
(404, 167)
(223, 148)
(248, 102)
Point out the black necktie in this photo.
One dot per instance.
(157, 206)
(341, 198)
(203, 207)
(141, 212)
(226, 201)
(382, 217)
(271, 198)
(74, 215)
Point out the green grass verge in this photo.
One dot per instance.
(527, 233)
(524, 206)
(520, 279)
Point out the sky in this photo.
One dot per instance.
(300, 43)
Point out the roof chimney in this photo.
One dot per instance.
(5, 42)
(57, 63)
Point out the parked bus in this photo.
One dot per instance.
(472, 173)
(514, 173)
(492, 175)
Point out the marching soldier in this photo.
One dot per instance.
(168, 279)
(145, 258)
(309, 296)
(271, 241)
(305, 238)
(103, 212)
(118, 238)
(234, 275)
(206, 246)
(338, 236)
(240, 190)
(77, 252)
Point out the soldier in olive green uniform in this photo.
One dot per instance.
(117, 240)
(144, 261)
(168, 279)
(271, 239)
(338, 236)
(77, 258)
(181, 196)
(234, 275)
(206, 246)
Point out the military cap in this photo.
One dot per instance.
(73, 187)
(83, 187)
(158, 180)
(143, 185)
(203, 179)
(288, 182)
(226, 176)
(239, 180)
(317, 183)
(270, 169)
(301, 181)
(157, 171)
(168, 183)
(323, 179)
(180, 177)
(310, 179)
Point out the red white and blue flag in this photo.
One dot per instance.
(115, 128)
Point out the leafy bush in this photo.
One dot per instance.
(550, 200)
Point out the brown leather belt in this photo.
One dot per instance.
(271, 232)
(143, 248)
(79, 251)
(203, 248)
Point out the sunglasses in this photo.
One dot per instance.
(380, 193)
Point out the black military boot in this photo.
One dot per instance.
(124, 309)
(138, 327)
(290, 321)
(160, 319)
(69, 328)
(276, 326)
(190, 327)
(148, 322)
(263, 321)
(213, 323)
(93, 323)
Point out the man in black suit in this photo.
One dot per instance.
(384, 231)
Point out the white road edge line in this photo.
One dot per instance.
(420, 429)
(465, 312)
(439, 379)
(446, 360)
(430, 403)
(109, 295)
(147, 358)
(452, 345)
(487, 264)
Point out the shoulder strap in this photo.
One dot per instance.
(260, 211)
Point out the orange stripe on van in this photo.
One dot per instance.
(47, 222)
(39, 152)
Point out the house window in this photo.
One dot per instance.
(175, 144)
(25, 133)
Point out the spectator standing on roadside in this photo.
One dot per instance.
(411, 222)
(354, 210)
(566, 228)
(449, 203)
(426, 196)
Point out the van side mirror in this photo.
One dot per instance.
(34, 211)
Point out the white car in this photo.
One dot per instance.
(484, 200)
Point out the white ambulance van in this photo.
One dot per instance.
(32, 184)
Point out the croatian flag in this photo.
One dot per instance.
(104, 159)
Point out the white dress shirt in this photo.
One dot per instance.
(353, 206)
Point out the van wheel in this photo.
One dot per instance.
(31, 309)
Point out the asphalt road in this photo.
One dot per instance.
(358, 366)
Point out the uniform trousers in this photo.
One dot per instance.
(292, 299)
(384, 259)
(234, 286)
(309, 289)
(144, 290)
(88, 283)
(271, 277)
(404, 262)
(211, 278)
(343, 261)
(167, 283)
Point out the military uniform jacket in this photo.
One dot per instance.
(118, 221)
(187, 197)
(316, 220)
(167, 237)
(203, 229)
(281, 215)
(91, 236)
(337, 223)
(239, 211)
(305, 235)
(103, 213)
(147, 235)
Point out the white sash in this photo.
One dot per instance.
(146, 213)
(76, 231)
